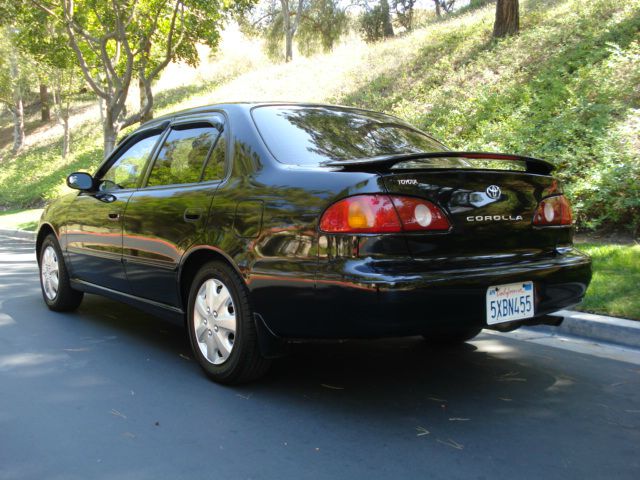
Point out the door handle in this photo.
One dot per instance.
(114, 215)
(193, 214)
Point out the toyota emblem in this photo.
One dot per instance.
(493, 192)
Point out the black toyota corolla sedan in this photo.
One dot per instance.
(256, 224)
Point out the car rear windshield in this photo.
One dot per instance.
(310, 135)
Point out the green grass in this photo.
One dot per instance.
(20, 219)
(614, 289)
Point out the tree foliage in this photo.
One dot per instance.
(404, 12)
(375, 22)
(323, 23)
(16, 79)
(316, 25)
(444, 5)
(44, 41)
(117, 41)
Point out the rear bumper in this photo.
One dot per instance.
(359, 298)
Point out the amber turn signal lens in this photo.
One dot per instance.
(381, 213)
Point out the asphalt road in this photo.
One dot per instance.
(109, 392)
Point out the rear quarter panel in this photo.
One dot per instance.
(265, 218)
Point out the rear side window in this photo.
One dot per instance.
(215, 168)
(302, 135)
(182, 156)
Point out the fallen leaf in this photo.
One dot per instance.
(331, 387)
(116, 413)
(76, 349)
(436, 399)
(246, 397)
(185, 357)
(511, 377)
(128, 435)
(505, 399)
(422, 431)
(459, 419)
(452, 443)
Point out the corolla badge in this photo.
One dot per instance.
(493, 192)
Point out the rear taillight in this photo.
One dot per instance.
(382, 214)
(553, 211)
(416, 214)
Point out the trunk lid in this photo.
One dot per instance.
(491, 213)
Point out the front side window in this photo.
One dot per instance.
(182, 156)
(126, 170)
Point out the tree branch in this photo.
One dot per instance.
(83, 64)
(170, 45)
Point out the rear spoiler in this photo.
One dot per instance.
(533, 165)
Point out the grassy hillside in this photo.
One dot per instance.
(614, 286)
(566, 89)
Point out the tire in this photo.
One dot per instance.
(59, 297)
(453, 337)
(221, 326)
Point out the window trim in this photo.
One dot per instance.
(184, 123)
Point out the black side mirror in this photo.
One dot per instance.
(80, 181)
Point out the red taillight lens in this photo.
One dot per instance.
(382, 214)
(553, 211)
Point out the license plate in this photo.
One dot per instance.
(506, 303)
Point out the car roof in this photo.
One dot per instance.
(247, 105)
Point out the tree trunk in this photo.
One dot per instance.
(18, 125)
(290, 28)
(438, 12)
(288, 56)
(143, 101)
(45, 111)
(387, 26)
(101, 106)
(110, 133)
(66, 136)
(61, 110)
(288, 35)
(507, 18)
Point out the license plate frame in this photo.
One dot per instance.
(510, 302)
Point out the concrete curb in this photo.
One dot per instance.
(22, 234)
(598, 328)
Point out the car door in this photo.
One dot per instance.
(95, 219)
(168, 215)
